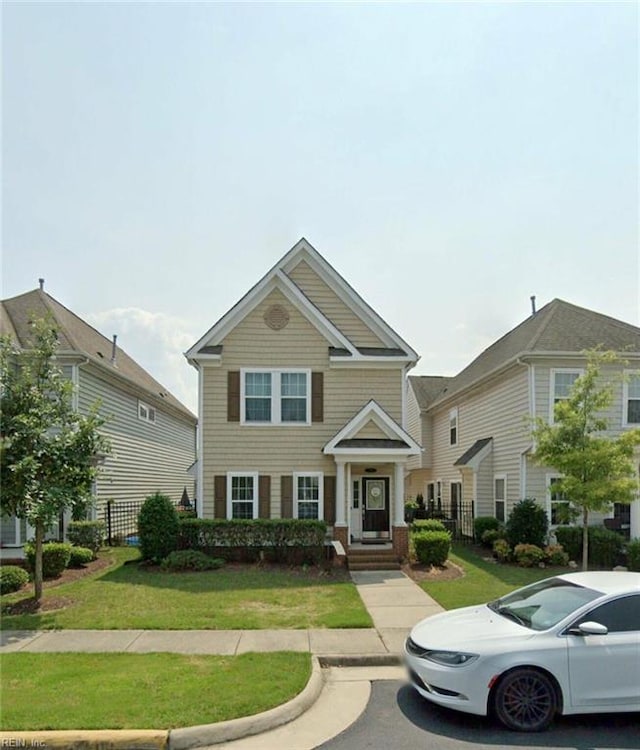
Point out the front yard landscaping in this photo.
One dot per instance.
(143, 691)
(481, 580)
(126, 595)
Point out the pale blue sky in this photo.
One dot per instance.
(448, 159)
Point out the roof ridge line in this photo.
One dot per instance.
(552, 307)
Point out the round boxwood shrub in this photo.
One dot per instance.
(527, 524)
(490, 536)
(55, 558)
(12, 578)
(432, 547)
(482, 524)
(80, 556)
(191, 559)
(157, 528)
(87, 534)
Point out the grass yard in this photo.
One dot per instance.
(239, 597)
(482, 581)
(143, 691)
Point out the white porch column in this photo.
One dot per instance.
(340, 510)
(398, 494)
(635, 519)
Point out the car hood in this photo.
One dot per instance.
(466, 629)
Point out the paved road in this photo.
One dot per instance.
(397, 718)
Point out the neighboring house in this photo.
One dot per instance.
(301, 404)
(152, 435)
(476, 427)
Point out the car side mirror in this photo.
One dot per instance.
(589, 628)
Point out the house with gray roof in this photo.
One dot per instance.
(475, 428)
(152, 434)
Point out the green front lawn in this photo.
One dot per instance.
(482, 581)
(143, 691)
(240, 597)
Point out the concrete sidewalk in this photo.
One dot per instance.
(393, 600)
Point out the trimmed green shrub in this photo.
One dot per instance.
(55, 558)
(490, 536)
(432, 547)
(290, 540)
(191, 559)
(605, 546)
(80, 556)
(527, 524)
(12, 578)
(428, 524)
(555, 555)
(89, 534)
(157, 528)
(570, 537)
(482, 524)
(502, 550)
(528, 555)
(633, 555)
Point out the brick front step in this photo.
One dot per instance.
(372, 559)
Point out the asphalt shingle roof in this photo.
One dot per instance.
(75, 335)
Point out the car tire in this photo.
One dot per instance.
(525, 700)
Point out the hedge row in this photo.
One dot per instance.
(605, 546)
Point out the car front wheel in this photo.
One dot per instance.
(525, 700)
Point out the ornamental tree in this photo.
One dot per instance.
(597, 468)
(47, 449)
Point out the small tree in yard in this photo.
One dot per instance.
(597, 469)
(47, 449)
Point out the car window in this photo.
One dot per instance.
(619, 616)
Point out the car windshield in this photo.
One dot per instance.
(543, 605)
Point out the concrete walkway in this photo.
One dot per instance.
(393, 600)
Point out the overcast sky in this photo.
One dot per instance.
(448, 159)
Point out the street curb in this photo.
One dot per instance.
(95, 739)
(361, 660)
(224, 731)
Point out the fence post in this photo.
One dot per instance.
(109, 522)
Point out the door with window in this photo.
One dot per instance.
(375, 507)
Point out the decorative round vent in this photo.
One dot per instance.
(276, 317)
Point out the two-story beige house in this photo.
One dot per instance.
(301, 407)
(476, 427)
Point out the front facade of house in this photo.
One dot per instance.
(301, 402)
(152, 435)
(476, 427)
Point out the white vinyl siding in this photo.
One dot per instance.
(144, 458)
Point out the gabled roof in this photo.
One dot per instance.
(396, 439)
(474, 455)
(427, 388)
(77, 337)
(557, 328)
(339, 345)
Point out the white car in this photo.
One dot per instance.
(566, 645)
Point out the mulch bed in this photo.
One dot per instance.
(419, 573)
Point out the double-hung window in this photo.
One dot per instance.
(146, 413)
(453, 427)
(242, 495)
(631, 404)
(561, 384)
(500, 496)
(308, 490)
(276, 396)
(558, 505)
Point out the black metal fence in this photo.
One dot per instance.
(457, 518)
(121, 519)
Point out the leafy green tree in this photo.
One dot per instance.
(47, 450)
(597, 468)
